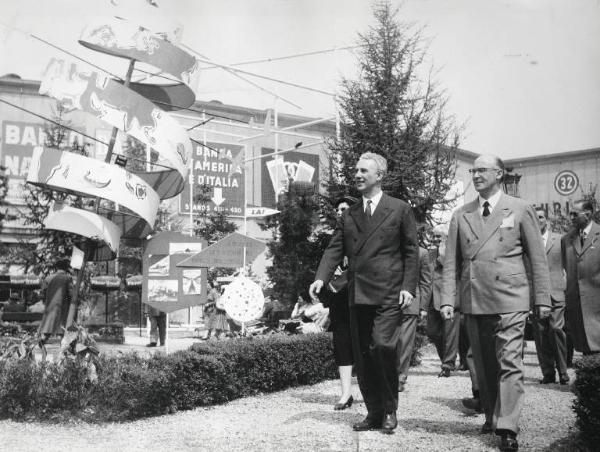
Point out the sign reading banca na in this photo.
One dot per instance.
(216, 180)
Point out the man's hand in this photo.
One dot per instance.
(315, 289)
(405, 299)
(447, 312)
(542, 312)
(422, 314)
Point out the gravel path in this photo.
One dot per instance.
(430, 414)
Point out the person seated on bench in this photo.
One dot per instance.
(313, 316)
(14, 304)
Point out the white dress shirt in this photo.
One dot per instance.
(374, 202)
(492, 200)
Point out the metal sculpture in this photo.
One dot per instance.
(126, 202)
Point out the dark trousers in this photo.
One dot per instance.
(497, 345)
(551, 343)
(444, 334)
(406, 344)
(158, 328)
(375, 331)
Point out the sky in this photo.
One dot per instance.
(523, 76)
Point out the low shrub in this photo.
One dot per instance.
(130, 386)
(587, 403)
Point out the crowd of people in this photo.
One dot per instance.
(494, 266)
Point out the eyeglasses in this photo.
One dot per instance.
(482, 170)
(576, 214)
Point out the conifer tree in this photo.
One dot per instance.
(396, 109)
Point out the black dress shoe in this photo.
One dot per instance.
(151, 344)
(548, 380)
(367, 424)
(508, 443)
(564, 380)
(486, 428)
(462, 367)
(473, 404)
(342, 406)
(444, 373)
(389, 423)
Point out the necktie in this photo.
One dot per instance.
(486, 209)
(368, 211)
(582, 236)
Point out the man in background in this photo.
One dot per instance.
(442, 332)
(581, 260)
(550, 339)
(410, 317)
(58, 292)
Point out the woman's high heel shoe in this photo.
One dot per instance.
(342, 406)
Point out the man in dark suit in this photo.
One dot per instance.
(489, 241)
(379, 237)
(410, 317)
(581, 260)
(550, 338)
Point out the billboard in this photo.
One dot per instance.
(17, 144)
(217, 180)
(277, 171)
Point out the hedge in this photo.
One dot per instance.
(587, 403)
(130, 386)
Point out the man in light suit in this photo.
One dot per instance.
(550, 338)
(581, 260)
(410, 317)
(379, 237)
(489, 241)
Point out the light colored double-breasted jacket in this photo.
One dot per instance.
(486, 261)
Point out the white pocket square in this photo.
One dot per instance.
(508, 222)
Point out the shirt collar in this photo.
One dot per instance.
(588, 228)
(545, 235)
(374, 201)
(493, 200)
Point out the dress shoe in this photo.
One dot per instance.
(342, 406)
(564, 380)
(462, 367)
(486, 428)
(389, 423)
(508, 442)
(444, 373)
(366, 424)
(472, 404)
(548, 380)
(151, 344)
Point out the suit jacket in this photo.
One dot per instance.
(582, 265)
(490, 259)
(557, 278)
(382, 252)
(437, 268)
(423, 293)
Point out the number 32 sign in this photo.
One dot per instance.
(566, 182)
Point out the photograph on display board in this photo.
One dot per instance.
(159, 265)
(162, 290)
(185, 248)
(192, 282)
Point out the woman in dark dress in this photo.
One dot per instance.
(339, 315)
